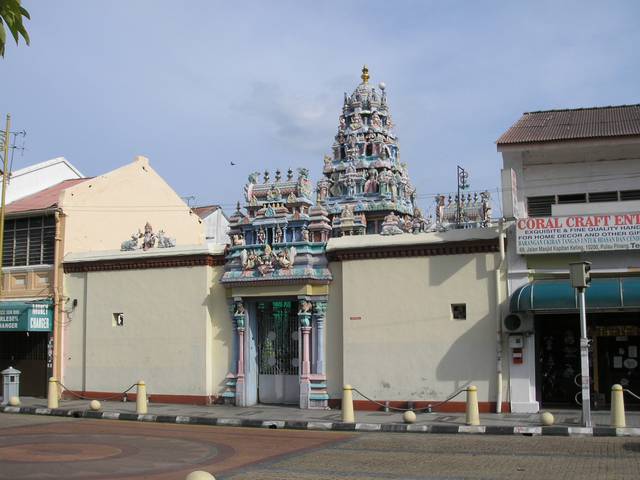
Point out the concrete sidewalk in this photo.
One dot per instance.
(567, 422)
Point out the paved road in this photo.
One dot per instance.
(33, 447)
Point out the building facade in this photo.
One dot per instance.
(320, 285)
(75, 215)
(570, 182)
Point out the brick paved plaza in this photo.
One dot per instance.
(34, 447)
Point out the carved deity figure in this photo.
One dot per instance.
(248, 259)
(278, 235)
(384, 180)
(239, 314)
(286, 257)
(322, 190)
(343, 124)
(265, 261)
(273, 193)
(391, 225)
(356, 122)
(261, 237)
(371, 185)
(376, 122)
(347, 212)
(305, 306)
(238, 239)
(351, 186)
(305, 234)
(304, 313)
(148, 237)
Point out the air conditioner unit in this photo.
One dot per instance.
(518, 323)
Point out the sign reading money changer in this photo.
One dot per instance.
(578, 233)
(26, 317)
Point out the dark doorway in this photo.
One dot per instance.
(278, 351)
(27, 352)
(558, 359)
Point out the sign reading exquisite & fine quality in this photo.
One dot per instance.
(578, 233)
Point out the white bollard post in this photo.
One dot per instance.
(52, 393)
(473, 415)
(617, 407)
(141, 398)
(200, 475)
(347, 405)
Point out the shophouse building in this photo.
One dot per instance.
(571, 184)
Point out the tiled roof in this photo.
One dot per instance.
(42, 200)
(205, 211)
(580, 123)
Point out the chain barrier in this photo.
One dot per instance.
(631, 393)
(117, 395)
(428, 409)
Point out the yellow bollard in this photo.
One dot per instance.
(141, 398)
(52, 393)
(617, 407)
(347, 404)
(473, 415)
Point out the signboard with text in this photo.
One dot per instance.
(26, 317)
(578, 233)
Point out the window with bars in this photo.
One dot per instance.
(540, 206)
(603, 197)
(630, 195)
(572, 198)
(29, 241)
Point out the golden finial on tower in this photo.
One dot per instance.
(365, 74)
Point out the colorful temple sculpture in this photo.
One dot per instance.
(276, 272)
(467, 210)
(363, 180)
(278, 249)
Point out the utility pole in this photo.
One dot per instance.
(580, 280)
(5, 174)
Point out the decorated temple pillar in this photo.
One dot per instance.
(239, 319)
(319, 312)
(304, 317)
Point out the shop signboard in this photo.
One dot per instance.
(26, 317)
(578, 233)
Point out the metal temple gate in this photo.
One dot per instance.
(277, 350)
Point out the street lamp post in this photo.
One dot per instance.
(580, 280)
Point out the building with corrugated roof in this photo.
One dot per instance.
(571, 185)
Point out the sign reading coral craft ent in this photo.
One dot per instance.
(578, 233)
(26, 317)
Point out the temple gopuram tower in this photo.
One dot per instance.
(365, 187)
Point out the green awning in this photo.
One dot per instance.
(620, 293)
(36, 316)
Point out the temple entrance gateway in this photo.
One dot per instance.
(277, 351)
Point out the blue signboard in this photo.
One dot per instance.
(34, 316)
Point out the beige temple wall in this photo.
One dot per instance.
(333, 333)
(221, 336)
(399, 338)
(171, 336)
(104, 211)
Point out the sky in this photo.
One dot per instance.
(197, 85)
